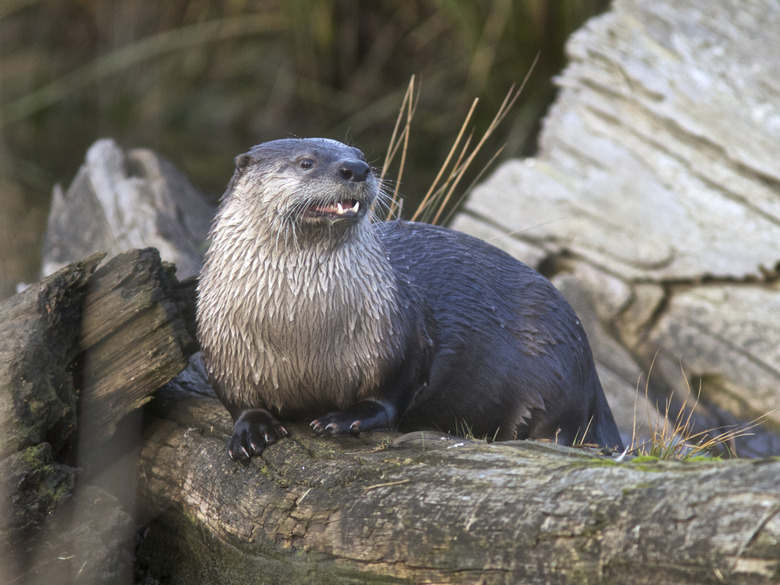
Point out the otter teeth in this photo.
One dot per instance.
(341, 211)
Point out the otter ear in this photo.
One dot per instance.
(242, 161)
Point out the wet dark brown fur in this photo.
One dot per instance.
(307, 308)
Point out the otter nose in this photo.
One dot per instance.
(354, 170)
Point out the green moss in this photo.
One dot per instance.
(600, 462)
(645, 459)
(703, 459)
(43, 485)
(627, 491)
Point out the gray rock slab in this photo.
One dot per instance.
(656, 190)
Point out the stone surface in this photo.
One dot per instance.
(658, 185)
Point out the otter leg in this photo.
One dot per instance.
(393, 398)
(366, 415)
(253, 430)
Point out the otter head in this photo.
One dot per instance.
(299, 186)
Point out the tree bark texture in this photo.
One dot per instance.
(81, 351)
(38, 340)
(424, 508)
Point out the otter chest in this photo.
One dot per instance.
(317, 329)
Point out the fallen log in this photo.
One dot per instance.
(38, 339)
(428, 508)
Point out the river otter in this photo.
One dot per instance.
(308, 308)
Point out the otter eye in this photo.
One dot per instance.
(306, 163)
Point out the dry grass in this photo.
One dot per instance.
(673, 435)
(460, 158)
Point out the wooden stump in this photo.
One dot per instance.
(80, 352)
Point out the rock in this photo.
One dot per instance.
(658, 183)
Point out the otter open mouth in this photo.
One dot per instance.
(341, 209)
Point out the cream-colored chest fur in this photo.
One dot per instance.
(295, 324)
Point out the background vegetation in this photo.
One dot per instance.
(202, 80)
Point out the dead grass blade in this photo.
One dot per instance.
(675, 438)
(405, 116)
(459, 158)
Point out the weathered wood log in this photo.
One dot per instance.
(39, 330)
(97, 344)
(38, 340)
(137, 332)
(123, 200)
(422, 508)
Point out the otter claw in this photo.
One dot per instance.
(363, 416)
(278, 433)
(253, 430)
(335, 427)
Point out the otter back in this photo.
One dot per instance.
(511, 359)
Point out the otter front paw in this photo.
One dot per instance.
(253, 430)
(366, 415)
